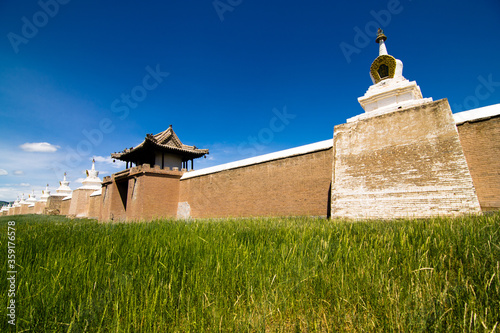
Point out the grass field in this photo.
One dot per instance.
(255, 275)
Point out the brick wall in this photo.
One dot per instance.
(153, 195)
(65, 204)
(407, 163)
(95, 206)
(24, 209)
(292, 186)
(112, 205)
(53, 206)
(80, 201)
(481, 144)
(39, 207)
(140, 193)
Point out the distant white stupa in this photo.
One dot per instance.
(23, 201)
(17, 203)
(45, 194)
(63, 190)
(31, 199)
(92, 182)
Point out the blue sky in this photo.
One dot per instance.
(83, 79)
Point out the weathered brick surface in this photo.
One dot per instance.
(65, 204)
(24, 209)
(111, 203)
(153, 195)
(481, 144)
(293, 186)
(95, 206)
(140, 193)
(39, 207)
(53, 206)
(408, 163)
(80, 202)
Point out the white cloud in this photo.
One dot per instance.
(108, 160)
(3, 172)
(25, 184)
(39, 147)
(18, 172)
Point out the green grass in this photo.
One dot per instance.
(256, 275)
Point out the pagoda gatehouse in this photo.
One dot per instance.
(149, 186)
(163, 149)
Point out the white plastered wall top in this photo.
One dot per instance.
(477, 114)
(322, 145)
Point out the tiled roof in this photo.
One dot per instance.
(164, 141)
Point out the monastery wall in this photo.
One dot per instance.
(80, 202)
(407, 163)
(24, 209)
(481, 145)
(140, 193)
(113, 206)
(53, 206)
(153, 195)
(95, 206)
(289, 183)
(417, 162)
(65, 205)
(39, 207)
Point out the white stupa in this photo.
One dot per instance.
(92, 182)
(63, 190)
(17, 202)
(31, 199)
(390, 91)
(45, 194)
(23, 201)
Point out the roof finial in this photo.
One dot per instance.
(380, 35)
(381, 38)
